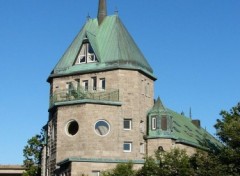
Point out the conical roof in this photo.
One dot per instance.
(113, 46)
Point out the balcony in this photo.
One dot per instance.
(84, 94)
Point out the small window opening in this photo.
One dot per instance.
(127, 146)
(72, 128)
(85, 85)
(95, 173)
(127, 124)
(94, 83)
(142, 148)
(154, 123)
(164, 123)
(102, 83)
(86, 54)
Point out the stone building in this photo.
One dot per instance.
(11, 170)
(102, 109)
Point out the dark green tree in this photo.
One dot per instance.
(207, 164)
(122, 169)
(228, 131)
(32, 154)
(173, 163)
(150, 167)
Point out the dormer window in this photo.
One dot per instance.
(86, 54)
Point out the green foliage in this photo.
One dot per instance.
(123, 169)
(229, 133)
(206, 164)
(150, 167)
(32, 155)
(173, 163)
(229, 127)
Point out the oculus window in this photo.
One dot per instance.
(86, 54)
(72, 128)
(102, 128)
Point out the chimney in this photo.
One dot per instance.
(102, 11)
(197, 123)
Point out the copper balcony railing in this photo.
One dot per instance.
(84, 93)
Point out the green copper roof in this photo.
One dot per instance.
(113, 46)
(179, 128)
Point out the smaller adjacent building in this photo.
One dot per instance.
(168, 129)
(11, 170)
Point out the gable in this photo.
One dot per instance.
(111, 47)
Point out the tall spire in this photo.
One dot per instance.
(102, 11)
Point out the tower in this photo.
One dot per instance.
(100, 92)
(102, 109)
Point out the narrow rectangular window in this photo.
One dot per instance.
(85, 85)
(142, 87)
(147, 89)
(94, 83)
(127, 124)
(142, 148)
(154, 123)
(164, 123)
(127, 146)
(102, 83)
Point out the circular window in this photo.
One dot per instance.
(72, 128)
(102, 128)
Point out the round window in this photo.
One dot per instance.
(102, 128)
(72, 128)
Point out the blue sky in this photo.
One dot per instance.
(192, 45)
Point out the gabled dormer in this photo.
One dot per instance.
(86, 53)
(159, 120)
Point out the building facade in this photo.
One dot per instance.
(102, 109)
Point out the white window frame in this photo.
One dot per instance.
(94, 81)
(89, 57)
(130, 124)
(101, 80)
(130, 146)
(85, 85)
(154, 123)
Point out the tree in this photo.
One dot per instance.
(122, 169)
(206, 164)
(173, 163)
(32, 154)
(228, 131)
(150, 167)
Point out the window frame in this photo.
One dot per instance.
(102, 82)
(130, 146)
(95, 172)
(142, 148)
(94, 83)
(85, 85)
(130, 124)
(89, 57)
(108, 126)
(154, 123)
